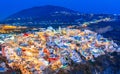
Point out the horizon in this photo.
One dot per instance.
(8, 8)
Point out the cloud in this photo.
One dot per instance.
(105, 29)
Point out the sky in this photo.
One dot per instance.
(8, 7)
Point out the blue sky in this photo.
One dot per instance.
(8, 7)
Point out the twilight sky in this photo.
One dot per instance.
(8, 7)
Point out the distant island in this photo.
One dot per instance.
(55, 16)
(44, 16)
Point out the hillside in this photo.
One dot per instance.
(44, 13)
